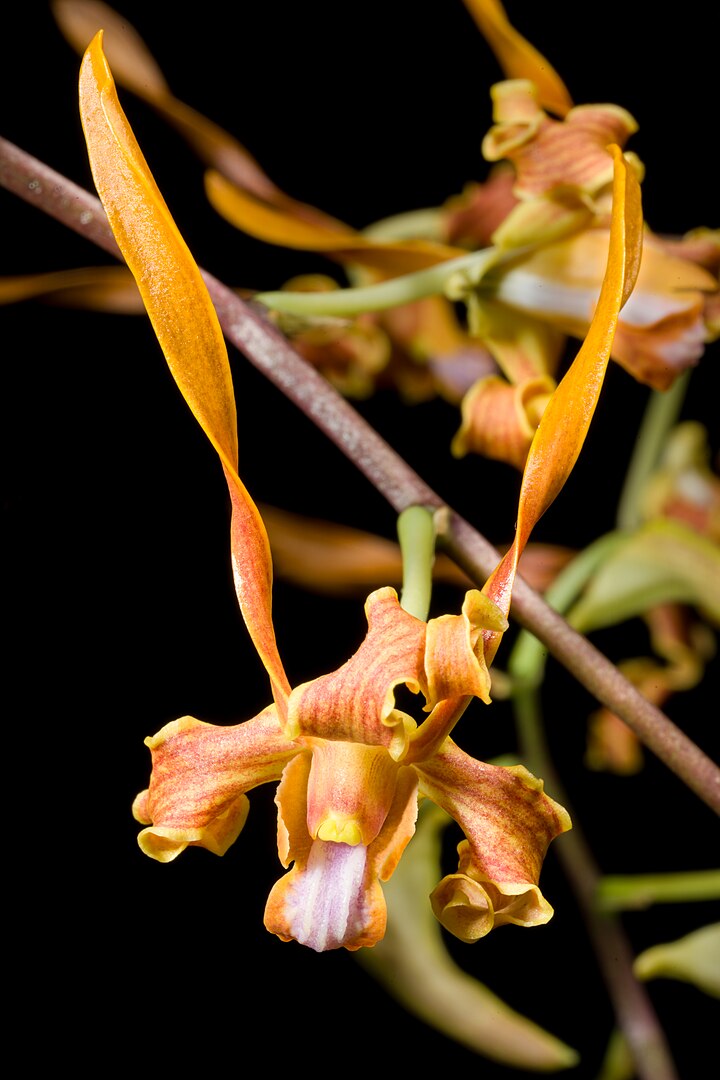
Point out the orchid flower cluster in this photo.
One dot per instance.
(551, 247)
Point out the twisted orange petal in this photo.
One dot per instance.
(186, 326)
(517, 57)
(566, 419)
(281, 225)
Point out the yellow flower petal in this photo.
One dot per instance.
(357, 702)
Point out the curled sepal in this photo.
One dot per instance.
(566, 419)
(454, 662)
(200, 775)
(186, 326)
(414, 965)
(470, 906)
(694, 958)
(499, 420)
(332, 897)
(509, 823)
(567, 158)
(517, 57)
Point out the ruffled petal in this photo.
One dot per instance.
(509, 823)
(499, 420)
(356, 703)
(200, 775)
(548, 154)
(470, 906)
(454, 662)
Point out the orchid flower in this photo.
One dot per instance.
(350, 763)
(541, 222)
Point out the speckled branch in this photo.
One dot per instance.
(246, 328)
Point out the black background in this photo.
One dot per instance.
(117, 517)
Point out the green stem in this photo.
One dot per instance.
(633, 891)
(384, 294)
(661, 414)
(416, 533)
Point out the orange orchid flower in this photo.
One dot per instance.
(350, 763)
(544, 211)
